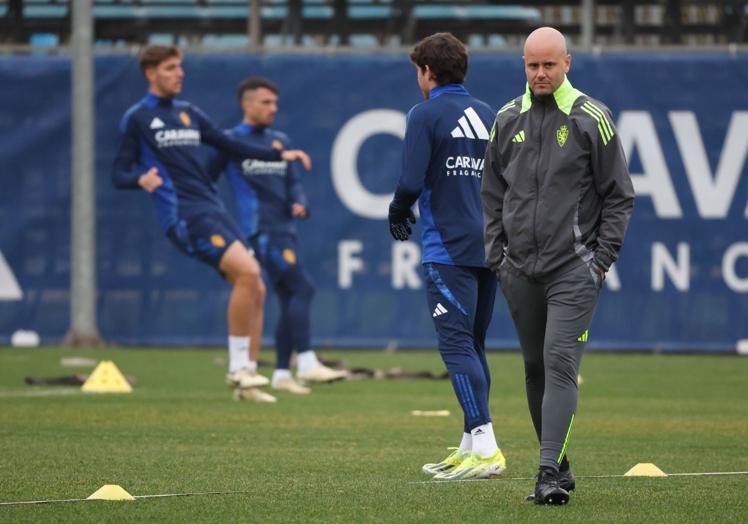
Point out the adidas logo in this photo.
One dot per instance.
(472, 129)
(519, 137)
(478, 432)
(157, 123)
(439, 310)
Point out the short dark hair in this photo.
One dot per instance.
(154, 54)
(445, 55)
(255, 82)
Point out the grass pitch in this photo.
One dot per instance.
(351, 452)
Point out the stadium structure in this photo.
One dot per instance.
(371, 24)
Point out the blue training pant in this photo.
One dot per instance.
(461, 303)
(278, 258)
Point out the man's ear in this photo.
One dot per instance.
(150, 74)
(428, 73)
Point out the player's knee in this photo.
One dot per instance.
(561, 367)
(456, 352)
(304, 291)
(534, 370)
(249, 277)
(261, 293)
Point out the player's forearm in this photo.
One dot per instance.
(124, 177)
(402, 202)
(618, 202)
(494, 238)
(492, 191)
(614, 222)
(296, 194)
(240, 149)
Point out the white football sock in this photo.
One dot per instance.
(306, 360)
(484, 441)
(252, 365)
(280, 374)
(238, 353)
(466, 444)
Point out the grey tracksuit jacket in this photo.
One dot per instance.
(556, 189)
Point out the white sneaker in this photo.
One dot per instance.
(290, 385)
(244, 378)
(255, 394)
(320, 374)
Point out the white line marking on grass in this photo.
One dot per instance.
(190, 494)
(41, 392)
(432, 482)
(39, 502)
(698, 474)
(136, 497)
(707, 473)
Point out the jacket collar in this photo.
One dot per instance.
(564, 96)
(247, 129)
(152, 100)
(455, 89)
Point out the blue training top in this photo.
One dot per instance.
(264, 190)
(442, 163)
(166, 134)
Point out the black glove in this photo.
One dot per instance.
(399, 228)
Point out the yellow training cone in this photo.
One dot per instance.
(110, 492)
(645, 469)
(106, 378)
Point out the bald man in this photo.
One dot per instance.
(557, 199)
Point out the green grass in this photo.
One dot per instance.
(351, 452)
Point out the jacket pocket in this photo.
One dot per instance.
(595, 275)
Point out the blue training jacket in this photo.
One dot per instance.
(442, 163)
(166, 133)
(264, 190)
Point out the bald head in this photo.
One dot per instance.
(546, 40)
(546, 60)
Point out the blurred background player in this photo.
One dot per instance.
(269, 198)
(445, 140)
(158, 152)
(568, 162)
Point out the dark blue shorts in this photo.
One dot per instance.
(276, 252)
(205, 236)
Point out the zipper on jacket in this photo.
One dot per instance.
(537, 190)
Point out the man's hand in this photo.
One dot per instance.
(297, 210)
(150, 181)
(400, 229)
(297, 154)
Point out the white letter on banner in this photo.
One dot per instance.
(713, 193)
(406, 257)
(636, 129)
(662, 262)
(612, 281)
(9, 288)
(348, 263)
(345, 149)
(733, 281)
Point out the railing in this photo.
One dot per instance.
(381, 23)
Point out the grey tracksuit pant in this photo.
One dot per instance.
(552, 320)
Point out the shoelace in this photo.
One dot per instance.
(456, 454)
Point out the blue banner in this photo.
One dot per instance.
(681, 282)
